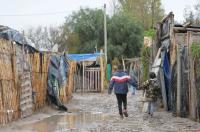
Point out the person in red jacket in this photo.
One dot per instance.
(119, 81)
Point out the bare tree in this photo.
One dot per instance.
(192, 15)
(44, 38)
(113, 7)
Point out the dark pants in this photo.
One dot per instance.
(121, 98)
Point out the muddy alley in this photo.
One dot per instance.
(98, 112)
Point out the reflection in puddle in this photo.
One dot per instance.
(77, 119)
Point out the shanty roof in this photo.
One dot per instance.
(87, 57)
(11, 34)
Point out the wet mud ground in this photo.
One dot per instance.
(98, 112)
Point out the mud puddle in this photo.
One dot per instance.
(64, 121)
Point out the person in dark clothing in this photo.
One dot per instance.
(119, 81)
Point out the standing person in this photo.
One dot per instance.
(119, 81)
(133, 76)
(152, 92)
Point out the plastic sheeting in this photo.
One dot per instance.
(165, 28)
(109, 72)
(11, 34)
(58, 67)
(87, 57)
(167, 76)
(165, 65)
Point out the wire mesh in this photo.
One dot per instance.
(197, 82)
(184, 112)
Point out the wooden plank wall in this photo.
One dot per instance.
(39, 78)
(70, 79)
(8, 87)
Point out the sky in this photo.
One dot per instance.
(28, 9)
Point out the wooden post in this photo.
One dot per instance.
(83, 75)
(172, 41)
(102, 72)
(105, 32)
(178, 80)
(123, 63)
(190, 76)
(138, 70)
(173, 56)
(131, 66)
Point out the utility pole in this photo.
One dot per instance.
(105, 32)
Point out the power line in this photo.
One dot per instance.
(38, 14)
(41, 14)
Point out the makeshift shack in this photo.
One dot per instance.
(23, 76)
(177, 74)
(88, 73)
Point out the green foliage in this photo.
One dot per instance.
(145, 64)
(125, 36)
(88, 24)
(115, 62)
(150, 33)
(124, 32)
(146, 11)
(195, 48)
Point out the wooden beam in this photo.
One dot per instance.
(83, 75)
(123, 63)
(169, 15)
(190, 76)
(131, 59)
(172, 38)
(186, 29)
(158, 54)
(102, 71)
(187, 24)
(188, 59)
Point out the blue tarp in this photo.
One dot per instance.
(79, 57)
(167, 76)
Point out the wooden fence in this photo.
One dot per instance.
(16, 88)
(9, 96)
(93, 79)
(70, 80)
(39, 78)
(88, 79)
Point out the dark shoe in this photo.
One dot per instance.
(133, 93)
(125, 113)
(151, 115)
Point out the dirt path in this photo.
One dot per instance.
(107, 105)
